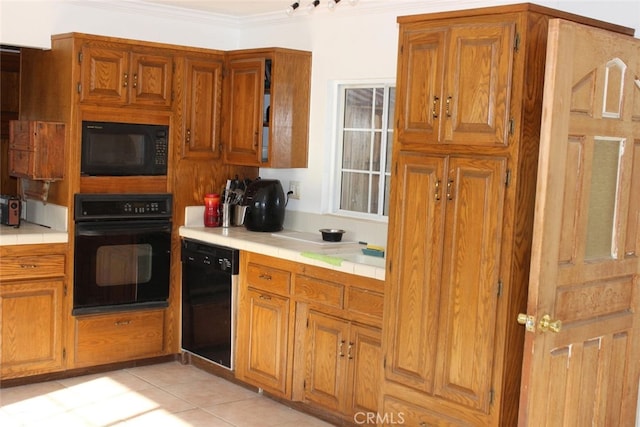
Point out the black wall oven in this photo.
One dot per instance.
(122, 252)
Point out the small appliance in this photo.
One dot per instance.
(9, 210)
(124, 149)
(265, 203)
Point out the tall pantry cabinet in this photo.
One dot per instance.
(469, 94)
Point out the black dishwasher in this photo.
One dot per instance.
(209, 284)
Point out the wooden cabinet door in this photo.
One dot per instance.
(364, 357)
(419, 86)
(244, 118)
(203, 102)
(470, 280)
(31, 327)
(150, 80)
(327, 350)
(104, 75)
(477, 85)
(415, 254)
(263, 335)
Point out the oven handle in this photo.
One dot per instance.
(121, 227)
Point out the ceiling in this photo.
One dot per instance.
(236, 8)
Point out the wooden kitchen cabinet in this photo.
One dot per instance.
(342, 364)
(263, 355)
(459, 85)
(36, 150)
(469, 88)
(203, 103)
(266, 108)
(32, 297)
(118, 337)
(111, 74)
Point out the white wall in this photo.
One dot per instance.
(352, 43)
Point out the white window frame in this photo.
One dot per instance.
(336, 174)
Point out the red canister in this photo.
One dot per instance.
(211, 210)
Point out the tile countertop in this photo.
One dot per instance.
(291, 245)
(30, 234)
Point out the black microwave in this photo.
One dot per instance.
(123, 149)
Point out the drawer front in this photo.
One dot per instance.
(269, 279)
(399, 412)
(118, 337)
(364, 301)
(320, 291)
(16, 268)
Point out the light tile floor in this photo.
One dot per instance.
(163, 395)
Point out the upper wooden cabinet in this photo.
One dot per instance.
(454, 82)
(266, 108)
(202, 109)
(119, 75)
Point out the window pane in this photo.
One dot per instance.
(377, 143)
(375, 186)
(357, 111)
(355, 191)
(355, 150)
(387, 195)
(602, 199)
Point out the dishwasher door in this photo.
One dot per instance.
(209, 284)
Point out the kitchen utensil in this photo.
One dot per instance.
(331, 234)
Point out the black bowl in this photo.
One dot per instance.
(331, 234)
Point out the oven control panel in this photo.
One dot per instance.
(122, 206)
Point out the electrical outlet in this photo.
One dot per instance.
(294, 189)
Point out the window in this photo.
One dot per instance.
(365, 136)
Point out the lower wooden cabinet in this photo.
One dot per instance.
(310, 334)
(263, 341)
(342, 362)
(32, 295)
(118, 337)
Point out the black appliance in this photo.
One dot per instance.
(209, 283)
(124, 149)
(266, 202)
(122, 251)
(9, 210)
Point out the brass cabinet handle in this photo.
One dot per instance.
(28, 266)
(340, 353)
(126, 80)
(448, 106)
(438, 182)
(265, 297)
(435, 107)
(450, 189)
(135, 80)
(265, 276)
(122, 322)
(188, 135)
(349, 355)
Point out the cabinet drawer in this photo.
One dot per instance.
(269, 279)
(15, 268)
(364, 301)
(118, 337)
(319, 291)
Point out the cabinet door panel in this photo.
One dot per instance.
(471, 264)
(151, 80)
(203, 92)
(478, 82)
(244, 111)
(104, 74)
(364, 355)
(420, 86)
(31, 328)
(262, 340)
(327, 347)
(415, 255)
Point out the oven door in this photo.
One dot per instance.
(121, 265)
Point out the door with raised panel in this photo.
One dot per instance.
(364, 375)
(104, 75)
(203, 87)
(477, 85)
(244, 118)
(582, 346)
(262, 342)
(150, 79)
